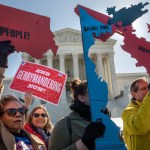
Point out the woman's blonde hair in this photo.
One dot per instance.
(49, 125)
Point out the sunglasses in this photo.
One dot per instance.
(11, 112)
(36, 115)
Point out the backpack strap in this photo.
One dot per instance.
(69, 124)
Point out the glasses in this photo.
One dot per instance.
(36, 115)
(11, 112)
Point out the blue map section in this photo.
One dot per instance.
(126, 15)
(97, 87)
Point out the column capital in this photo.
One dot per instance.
(111, 54)
(49, 52)
(99, 53)
(25, 56)
(48, 55)
(61, 55)
(75, 54)
(49, 59)
(37, 61)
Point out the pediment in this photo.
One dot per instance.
(67, 35)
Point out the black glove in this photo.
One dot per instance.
(91, 132)
(5, 49)
(106, 111)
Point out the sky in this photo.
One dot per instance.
(62, 15)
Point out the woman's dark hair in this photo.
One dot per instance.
(49, 125)
(78, 87)
(5, 100)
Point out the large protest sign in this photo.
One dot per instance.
(27, 31)
(98, 26)
(45, 83)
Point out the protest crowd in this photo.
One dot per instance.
(23, 128)
(34, 132)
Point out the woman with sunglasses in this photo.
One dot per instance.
(39, 124)
(12, 118)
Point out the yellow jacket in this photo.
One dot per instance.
(136, 124)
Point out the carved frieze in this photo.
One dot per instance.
(67, 35)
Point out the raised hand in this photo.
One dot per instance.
(5, 49)
(28, 98)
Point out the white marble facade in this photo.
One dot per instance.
(69, 58)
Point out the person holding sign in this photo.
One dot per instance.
(12, 118)
(136, 117)
(76, 131)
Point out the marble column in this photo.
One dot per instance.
(105, 70)
(111, 96)
(49, 60)
(62, 69)
(113, 75)
(75, 66)
(37, 61)
(25, 56)
(100, 68)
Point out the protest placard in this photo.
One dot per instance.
(45, 83)
(28, 32)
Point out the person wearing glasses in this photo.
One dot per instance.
(12, 118)
(136, 117)
(39, 123)
(76, 131)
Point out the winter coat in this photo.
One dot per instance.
(7, 140)
(31, 129)
(62, 138)
(28, 128)
(136, 124)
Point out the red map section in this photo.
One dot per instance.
(28, 32)
(139, 48)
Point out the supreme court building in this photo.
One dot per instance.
(69, 59)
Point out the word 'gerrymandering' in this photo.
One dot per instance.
(40, 80)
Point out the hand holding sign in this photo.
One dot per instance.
(28, 98)
(44, 82)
